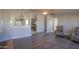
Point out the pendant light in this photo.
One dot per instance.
(44, 12)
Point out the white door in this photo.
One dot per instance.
(50, 23)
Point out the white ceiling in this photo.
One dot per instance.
(63, 11)
(59, 11)
(50, 11)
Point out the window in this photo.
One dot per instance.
(26, 22)
(18, 21)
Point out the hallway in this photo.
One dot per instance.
(44, 41)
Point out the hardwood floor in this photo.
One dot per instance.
(43, 41)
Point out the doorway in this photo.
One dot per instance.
(45, 23)
(33, 25)
(51, 23)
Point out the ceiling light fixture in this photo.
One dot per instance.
(44, 12)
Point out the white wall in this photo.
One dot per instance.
(22, 31)
(69, 21)
(3, 23)
(40, 22)
(1, 26)
(14, 32)
(18, 32)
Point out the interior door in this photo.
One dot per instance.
(50, 23)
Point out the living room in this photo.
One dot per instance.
(16, 25)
